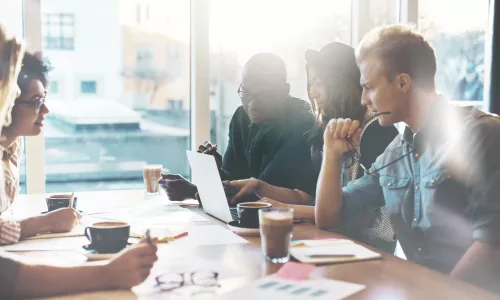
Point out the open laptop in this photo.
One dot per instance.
(207, 179)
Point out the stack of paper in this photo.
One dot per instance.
(330, 251)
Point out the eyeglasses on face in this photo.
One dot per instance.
(37, 104)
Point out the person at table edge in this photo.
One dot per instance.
(440, 179)
(27, 118)
(28, 279)
(266, 133)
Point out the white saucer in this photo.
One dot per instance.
(235, 227)
(93, 255)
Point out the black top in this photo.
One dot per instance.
(373, 143)
(274, 152)
(375, 139)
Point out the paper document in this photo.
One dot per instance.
(77, 231)
(161, 232)
(164, 215)
(212, 235)
(69, 243)
(332, 252)
(272, 287)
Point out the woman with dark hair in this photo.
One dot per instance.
(20, 279)
(334, 91)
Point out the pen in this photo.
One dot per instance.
(148, 237)
(330, 255)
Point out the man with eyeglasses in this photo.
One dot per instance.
(440, 179)
(266, 133)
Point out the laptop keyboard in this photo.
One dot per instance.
(234, 213)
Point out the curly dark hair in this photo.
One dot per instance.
(34, 67)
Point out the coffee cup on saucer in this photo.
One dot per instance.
(248, 213)
(57, 201)
(108, 237)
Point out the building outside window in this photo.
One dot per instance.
(458, 37)
(88, 87)
(54, 87)
(58, 31)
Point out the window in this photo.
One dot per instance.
(239, 29)
(382, 12)
(88, 87)
(144, 57)
(58, 31)
(54, 87)
(141, 13)
(102, 142)
(175, 104)
(458, 37)
(138, 14)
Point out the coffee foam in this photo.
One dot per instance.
(254, 205)
(276, 218)
(109, 224)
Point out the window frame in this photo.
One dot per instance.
(199, 71)
(61, 41)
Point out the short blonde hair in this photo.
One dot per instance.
(11, 55)
(401, 50)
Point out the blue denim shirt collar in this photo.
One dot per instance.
(431, 129)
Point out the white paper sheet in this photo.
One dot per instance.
(77, 231)
(212, 235)
(68, 243)
(275, 288)
(148, 216)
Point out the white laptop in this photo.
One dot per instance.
(206, 177)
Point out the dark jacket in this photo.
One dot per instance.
(274, 152)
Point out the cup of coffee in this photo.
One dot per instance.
(108, 237)
(59, 201)
(248, 213)
(276, 233)
(152, 174)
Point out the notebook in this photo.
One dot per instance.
(327, 251)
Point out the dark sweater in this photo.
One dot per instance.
(273, 152)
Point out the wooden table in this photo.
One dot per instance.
(389, 278)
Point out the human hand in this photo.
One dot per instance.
(245, 187)
(208, 148)
(62, 220)
(336, 134)
(131, 266)
(177, 187)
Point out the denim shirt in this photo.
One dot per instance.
(444, 194)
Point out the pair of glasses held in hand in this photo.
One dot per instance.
(356, 153)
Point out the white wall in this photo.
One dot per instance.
(97, 53)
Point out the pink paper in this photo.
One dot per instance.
(295, 271)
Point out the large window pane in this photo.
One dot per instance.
(110, 103)
(382, 12)
(456, 29)
(242, 28)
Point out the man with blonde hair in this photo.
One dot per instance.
(440, 179)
